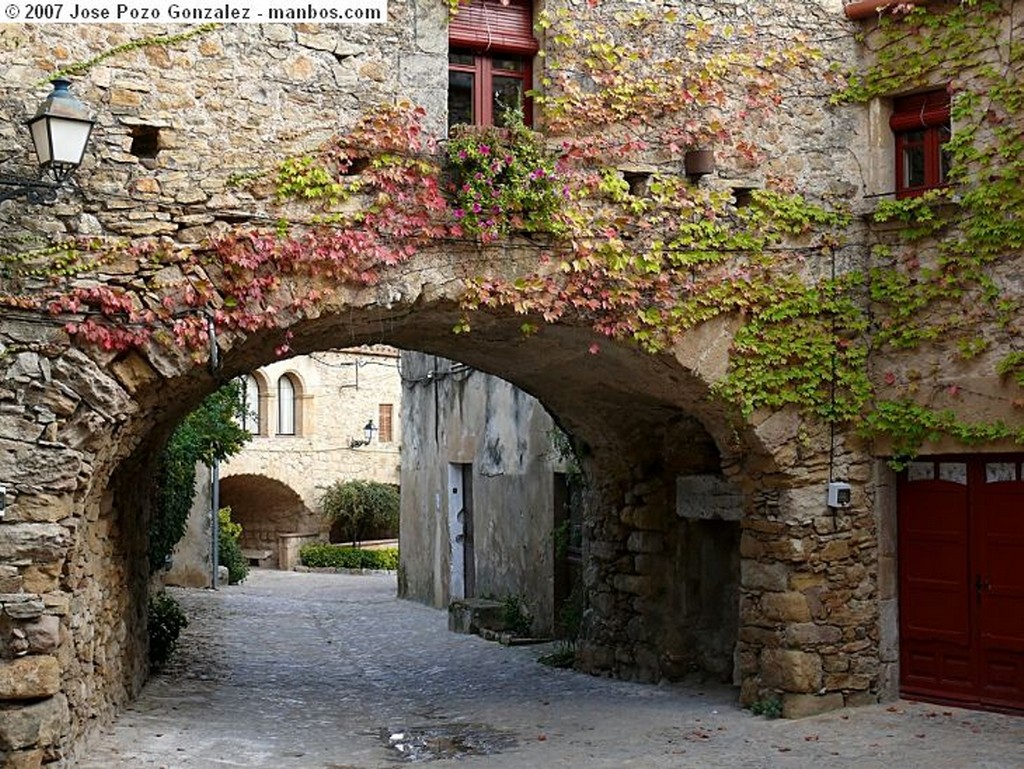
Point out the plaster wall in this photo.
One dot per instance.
(456, 415)
(274, 484)
(191, 561)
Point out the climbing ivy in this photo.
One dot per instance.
(81, 67)
(646, 255)
(209, 433)
(944, 284)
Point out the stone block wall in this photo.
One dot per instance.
(221, 104)
(815, 596)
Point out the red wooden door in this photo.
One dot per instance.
(961, 554)
(999, 590)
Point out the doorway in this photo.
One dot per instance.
(961, 572)
(462, 583)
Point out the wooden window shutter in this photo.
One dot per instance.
(920, 110)
(488, 25)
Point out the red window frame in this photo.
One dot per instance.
(484, 71)
(488, 31)
(920, 123)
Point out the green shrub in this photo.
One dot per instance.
(563, 657)
(209, 433)
(165, 621)
(360, 506)
(229, 549)
(321, 554)
(769, 707)
(517, 616)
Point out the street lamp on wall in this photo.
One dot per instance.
(60, 132)
(368, 432)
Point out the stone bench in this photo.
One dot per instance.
(257, 557)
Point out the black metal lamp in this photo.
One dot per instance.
(60, 133)
(368, 430)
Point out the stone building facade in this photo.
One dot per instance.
(483, 493)
(273, 486)
(680, 480)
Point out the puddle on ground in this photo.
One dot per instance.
(432, 743)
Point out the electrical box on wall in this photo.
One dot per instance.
(838, 494)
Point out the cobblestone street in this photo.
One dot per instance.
(332, 672)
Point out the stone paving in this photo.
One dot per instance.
(331, 671)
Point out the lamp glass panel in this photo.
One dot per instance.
(69, 140)
(41, 140)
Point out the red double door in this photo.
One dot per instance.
(961, 576)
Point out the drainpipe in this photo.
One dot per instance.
(214, 520)
(865, 9)
(211, 329)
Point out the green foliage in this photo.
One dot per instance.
(502, 180)
(81, 67)
(944, 285)
(324, 555)
(302, 178)
(516, 615)
(769, 707)
(359, 505)
(229, 548)
(1012, 365)
(165, 621)
(644, 258)
(803, 349)
(563, 657)
(908, 424)
(209, 433)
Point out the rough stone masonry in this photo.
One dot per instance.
(807, 611)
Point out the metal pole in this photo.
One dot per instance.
(215, 520)
(211, 329)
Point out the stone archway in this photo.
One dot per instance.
(85, 426)
(269, 511)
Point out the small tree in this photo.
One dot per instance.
(210, 432)
(229, 548)
(360, 505)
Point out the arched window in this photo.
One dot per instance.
(285, 406)
(250, 404)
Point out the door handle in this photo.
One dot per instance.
(981, 584)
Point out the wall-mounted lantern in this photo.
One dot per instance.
(60, 133)
(3, 500)
(368, 430)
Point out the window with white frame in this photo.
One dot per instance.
(286, 402)
(250, 404)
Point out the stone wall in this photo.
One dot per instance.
(340, 393)
(79, 427)
(220, 104)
